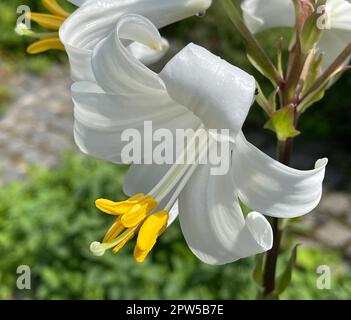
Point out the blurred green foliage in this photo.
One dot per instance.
(49, 221)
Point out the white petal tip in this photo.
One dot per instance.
(321, 163)
(260, 229)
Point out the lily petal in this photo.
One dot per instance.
(217, 92)
(94, 21)
(147, 55)
(332, 43)
(275, 189)
(213, 224)
(142, 178)
(101, 118)
(115, 69)
(261, 15)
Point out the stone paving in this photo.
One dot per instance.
(37, 127)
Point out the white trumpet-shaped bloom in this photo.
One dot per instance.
(260, 15)
(95, 19)
(196, 89)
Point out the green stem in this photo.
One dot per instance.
(269, 276)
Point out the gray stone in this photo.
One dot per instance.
(336, 203)
(334, 234)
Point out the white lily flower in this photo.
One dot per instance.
(260, 15)
(196, 89)
(94, 21)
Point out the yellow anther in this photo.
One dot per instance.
(139, 212)
(118, 208)
(55, 8)
(153, 226)
(48, 21)
(45, 45)
(114, 231)
(122, 243)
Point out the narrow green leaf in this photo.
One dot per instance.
(263, 102)
(332, 70)
(284, 279)
(315, 95)
(282, 123)
(311, 33)
(256, 54)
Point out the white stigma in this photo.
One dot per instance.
(97, 249)
(22, 30)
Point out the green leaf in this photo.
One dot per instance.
(263, 102)
(317, 92)
(311, 33)
(282, 123)
(284, 279)
(312, 70)
(256, 54)
(257, 273)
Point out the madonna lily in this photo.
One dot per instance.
(94, 20)
(260, 15)
(196, 89)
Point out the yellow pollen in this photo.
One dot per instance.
(48, 21)
(122, 243)
(118, 208)
(132, 215)
(139, 212)
(45, 45)
(55, 8)
(151, 229)
(114, 231)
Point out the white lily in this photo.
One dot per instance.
(195, 89)
(94, 21)
(260, 15)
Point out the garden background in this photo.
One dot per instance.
(47, 188)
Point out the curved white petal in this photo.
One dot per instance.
(115, 68)
(141, 178)
(94, 21)
(218, 93)
(274, 189)
(127, 95)
(147, 55)
(332, 43)
(213, 224)
(339, 12)
(101, 118)
(260, 15)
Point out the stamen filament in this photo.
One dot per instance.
(171, 178)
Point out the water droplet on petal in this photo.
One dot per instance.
(201, 14)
